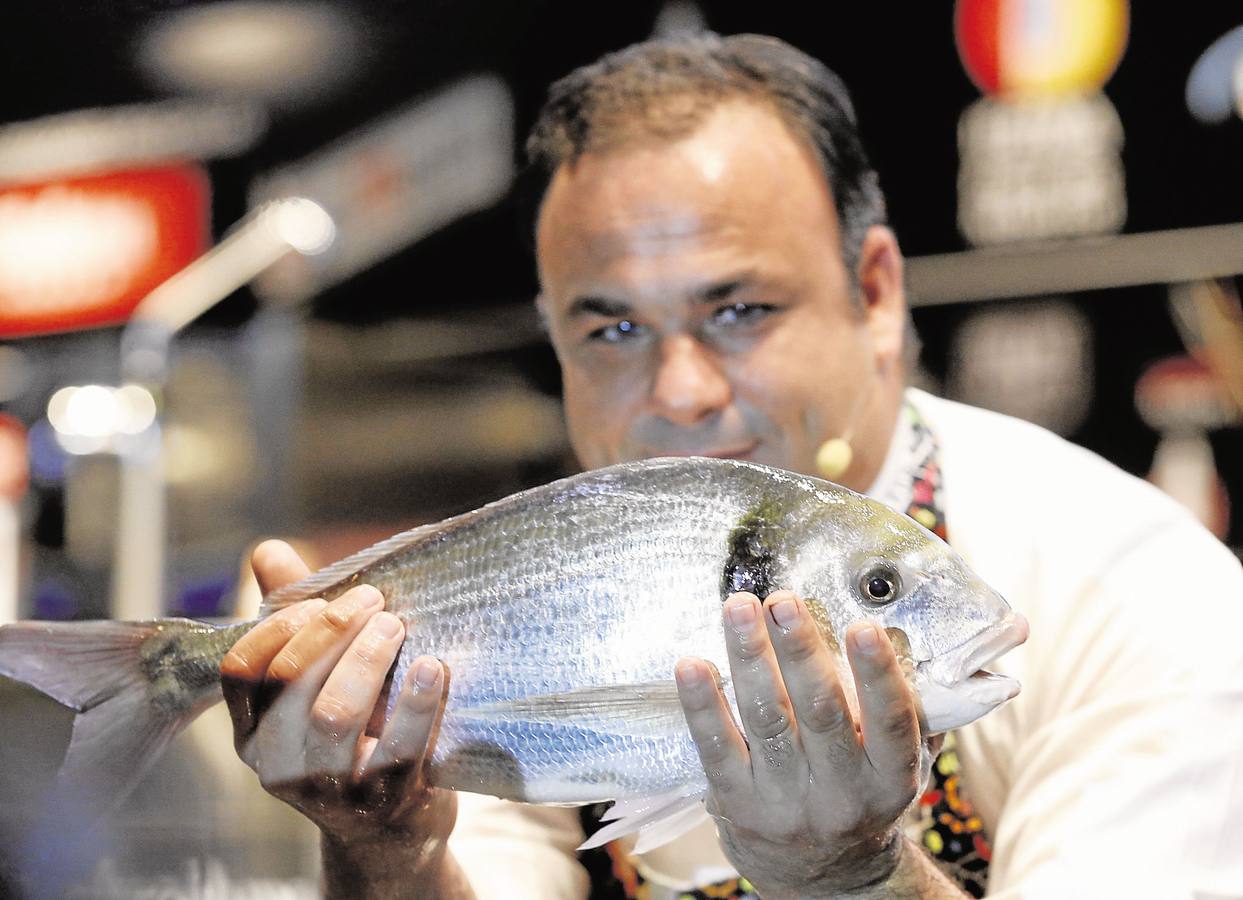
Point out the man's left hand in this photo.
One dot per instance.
(808, 803)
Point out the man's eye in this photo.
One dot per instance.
(740, 313)
(616, 332)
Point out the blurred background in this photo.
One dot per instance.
(1063, 175)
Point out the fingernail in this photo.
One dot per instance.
(688, 674)
(386, 625)
(866, 639)
(786, 613)
(426, 674)
(742, 616)
(369, 597)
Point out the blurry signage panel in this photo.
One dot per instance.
(397, 180)
(1040, 154)
(82, 252)
(14, 470)
(1044, 47)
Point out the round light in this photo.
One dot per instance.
(273, 51)
(137, 407)
(303, 224)
(92, 411)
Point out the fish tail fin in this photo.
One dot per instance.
(122, 680)
(658, 820)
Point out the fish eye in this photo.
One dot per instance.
(879, 584)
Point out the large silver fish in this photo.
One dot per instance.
(560, 612)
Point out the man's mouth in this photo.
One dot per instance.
(742, 451)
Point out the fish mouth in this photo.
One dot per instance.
(967, 660)
(955, 689)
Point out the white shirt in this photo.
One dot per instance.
(1118, 771)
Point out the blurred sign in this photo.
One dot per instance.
(14, 469)
(1040, 169)
(1044, 47)
(82, 252)
(1182, 400)
(397, 180)
(1040, 156)
(115, 138)
(1215, 85)
(1031, 360)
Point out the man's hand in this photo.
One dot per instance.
(301, 688)
(808, 803)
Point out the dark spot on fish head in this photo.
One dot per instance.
(752, 559)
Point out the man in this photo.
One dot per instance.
(717, 280)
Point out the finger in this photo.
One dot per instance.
(763, 704)
(344, 704)
(243, 668)
(887, 714)
(406, 738)
(277, 564)
(298, 673)
(722, 750)
(826, 729)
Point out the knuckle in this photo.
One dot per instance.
(750, 647)
(898, 722)
(367, 653)
(800, 644)
(336, 617)
(767, 719)
(714, 753)
(331, 716)
(287, 667)
(825, 714)
(235, 666)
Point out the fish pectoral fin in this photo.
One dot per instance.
(647, 705)
(658, 820)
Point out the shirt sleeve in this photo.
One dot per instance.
(1127, 779)
(518, 851)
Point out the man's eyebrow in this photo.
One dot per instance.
(722, 290)
(598, 306)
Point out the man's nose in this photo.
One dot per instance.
(690, 383)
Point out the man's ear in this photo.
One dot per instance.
(882, 293)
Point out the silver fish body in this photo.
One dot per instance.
(561, 611)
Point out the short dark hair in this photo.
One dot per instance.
(641, 93)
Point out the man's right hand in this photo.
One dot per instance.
(301, 687)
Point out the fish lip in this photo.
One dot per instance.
(969, 657)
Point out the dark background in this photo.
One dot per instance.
(900, 62)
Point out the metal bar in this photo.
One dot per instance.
(997, 273)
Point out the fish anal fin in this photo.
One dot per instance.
(657, 820)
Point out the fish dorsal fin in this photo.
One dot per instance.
(658, 819)
(629, 708)
(345, 571)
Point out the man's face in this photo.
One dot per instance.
(697, 299)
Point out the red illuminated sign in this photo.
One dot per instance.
(82, 252)
(14, 471)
